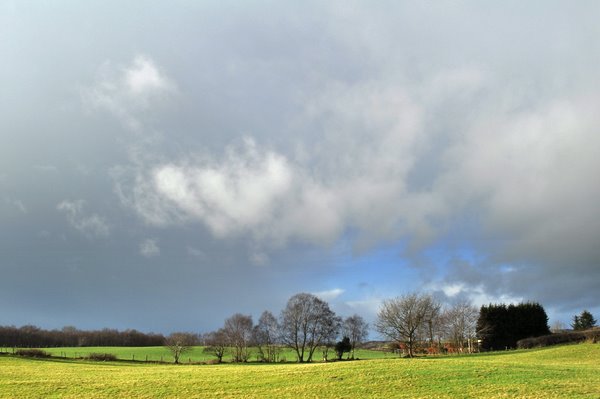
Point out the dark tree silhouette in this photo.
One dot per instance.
(342, 347)
(500, 326)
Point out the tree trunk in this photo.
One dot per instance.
(300, 356)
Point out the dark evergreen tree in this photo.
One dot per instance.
(500, 326)
(584, 321)
(342, 347)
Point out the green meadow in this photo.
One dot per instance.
(160, 353)
(571, 371)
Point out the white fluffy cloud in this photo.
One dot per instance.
(142, 78)
(91, 225)
(130, 92)
(241, 193)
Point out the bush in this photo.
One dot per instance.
(593, 335)
(560, 338)
(32, 353)
(102, 357)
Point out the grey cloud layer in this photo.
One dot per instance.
(233, 138)
(382, 162)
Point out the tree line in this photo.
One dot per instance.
(412, 323)
(307, 325)
(419, 322)
(34, 337)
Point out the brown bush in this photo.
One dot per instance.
(102, 357)
(592, 335)
(32, 353)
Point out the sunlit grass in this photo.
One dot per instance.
(567, 372)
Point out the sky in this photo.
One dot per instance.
(164, 165)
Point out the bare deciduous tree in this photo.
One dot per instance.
(331, 330)
(433, 325)
(306, 322)
(179, 343)
(238, 329)
(401, 318)
(558, 327)
(216, 344)
(460, 321)
(356, 329)
(266, 335)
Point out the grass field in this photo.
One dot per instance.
(159, 353)
(571, 371)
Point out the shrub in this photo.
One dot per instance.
(593, 335)
(102, 357)
(32, 353)
(560, 338)
(343, 346)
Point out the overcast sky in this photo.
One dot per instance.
(164, 165)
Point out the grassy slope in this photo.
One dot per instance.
(568, 371)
